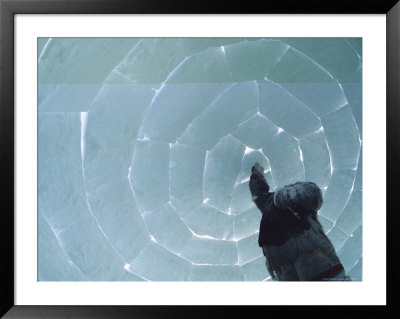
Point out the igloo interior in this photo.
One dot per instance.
(145, 147)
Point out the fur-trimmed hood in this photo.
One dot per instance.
(302, 197)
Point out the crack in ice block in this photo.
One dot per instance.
(158, 264)
(146, 55)
(127, 276)
(351, 217)
(110, 130)
(186, 169)
(337, 238)
(351, 251)
(256, 131)
(241, 198)
(81, 60)
(194, 45)
(356, 272)
(210, 251)
(45, 92)
(115, 210)
(61, 190)
(208, 221)
(296, 67)
(358, 181)
(247, 223)
(353, 92)
(337, 55)
(69, 98)
(53, 263)
(356, 44)
(337, 193)
(343, 138)
(284, 110)
(209, 66)
(255, 270)
(248, 249)
(326, 224)
(167, 228)
(316, 158)
(149, 174)
(222, 167)
(222, 116)
(253, 60)
(175, 106)
(250, 157)
(284, 156)
(92, 253)
(321, 98)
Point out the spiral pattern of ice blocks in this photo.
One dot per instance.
(145, 148)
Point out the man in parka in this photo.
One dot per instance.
(292, 239)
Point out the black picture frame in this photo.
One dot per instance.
(8, 10)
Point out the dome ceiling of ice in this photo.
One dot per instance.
(145, 148)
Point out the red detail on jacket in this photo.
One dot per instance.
(330, 273)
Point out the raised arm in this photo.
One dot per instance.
(258, 186)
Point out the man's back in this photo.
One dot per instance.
(278, 225)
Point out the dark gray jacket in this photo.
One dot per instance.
(277, 225)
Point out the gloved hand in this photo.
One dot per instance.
(257, 168)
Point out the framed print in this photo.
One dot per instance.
(158, 156)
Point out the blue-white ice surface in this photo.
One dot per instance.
(145, 149)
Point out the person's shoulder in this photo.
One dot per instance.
(270, 210)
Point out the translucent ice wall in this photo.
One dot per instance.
(145, 148)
